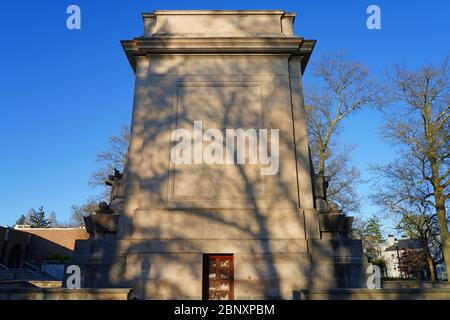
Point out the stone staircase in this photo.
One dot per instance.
(26, 272)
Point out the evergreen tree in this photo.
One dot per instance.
(369, 231)
(21, 220)
(373, 230)
(38, 220)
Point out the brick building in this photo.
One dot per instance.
(35, 245)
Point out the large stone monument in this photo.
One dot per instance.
(218, 198)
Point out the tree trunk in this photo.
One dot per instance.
(446, 254)
(322, 162)
(430, 260)
(439, 203)
(443, 228)
(431, 266)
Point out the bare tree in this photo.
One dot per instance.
(423, 226)
(420, 126)
(343, 178)
(52, 220)
(113, 158)
(80, 211)
(404, 198)
(345, 88)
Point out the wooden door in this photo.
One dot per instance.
(218, 277)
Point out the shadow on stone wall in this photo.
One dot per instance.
(165, 222)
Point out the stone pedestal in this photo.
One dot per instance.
(227, 70)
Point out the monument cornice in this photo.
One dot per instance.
(142, 46)
(217, 12)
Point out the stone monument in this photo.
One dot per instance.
(218, 199)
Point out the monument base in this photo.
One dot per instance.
(175, 269)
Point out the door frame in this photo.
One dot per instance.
(205, 274)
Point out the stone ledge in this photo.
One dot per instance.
(64, 294)
(408, 284)
(375, 294)
(296, 46)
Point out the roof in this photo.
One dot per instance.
(404, 244)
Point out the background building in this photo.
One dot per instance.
(36, 252)
(391, 251)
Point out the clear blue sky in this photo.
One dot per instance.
(63, 93)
